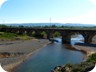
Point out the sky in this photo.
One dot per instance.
(41, 11)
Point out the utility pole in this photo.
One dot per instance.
(50, 20)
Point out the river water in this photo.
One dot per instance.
(54, 54)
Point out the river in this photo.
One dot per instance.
(54, 54)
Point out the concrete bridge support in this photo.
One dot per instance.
(29, 33)
(65, 38)
(20, 32)
(49, 35)
(87, 37)
(88, 40)
(38, 34)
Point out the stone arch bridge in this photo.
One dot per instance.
(65, 33)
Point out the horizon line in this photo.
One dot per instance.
(46, 22)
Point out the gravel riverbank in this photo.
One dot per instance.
(85, 49)
(15, 52)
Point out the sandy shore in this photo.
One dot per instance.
(86, 50)
(19, 51)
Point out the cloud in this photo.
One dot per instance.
(2, 2)
(93, 2)
(88, 18)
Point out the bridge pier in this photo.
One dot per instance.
(20, 32)
(88, 39)
(65, 41)
(49, 35)
(29, 33)
(65, 38)
(38, 34)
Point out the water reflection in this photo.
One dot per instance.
(70, 47)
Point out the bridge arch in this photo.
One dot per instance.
(88, 36)
(76, 38)
(73, 35)
(43, 34)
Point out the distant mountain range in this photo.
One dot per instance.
(50, 24)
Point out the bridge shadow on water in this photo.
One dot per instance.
(70, 47)
(67, 46)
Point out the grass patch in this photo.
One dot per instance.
(12, 36)
(7, 36)
(92, 58)
(23, 37)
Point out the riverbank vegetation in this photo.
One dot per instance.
(12, 36)
(6, 36)
(82, 67)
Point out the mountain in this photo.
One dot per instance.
(50, 24)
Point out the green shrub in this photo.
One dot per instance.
(92, 58)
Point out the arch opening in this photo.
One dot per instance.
(76, 38)
(43, 34)
(57, 37)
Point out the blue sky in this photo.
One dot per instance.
(35, 11)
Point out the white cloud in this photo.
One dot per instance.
(88, 18)
(1, 2)
(93, 1)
